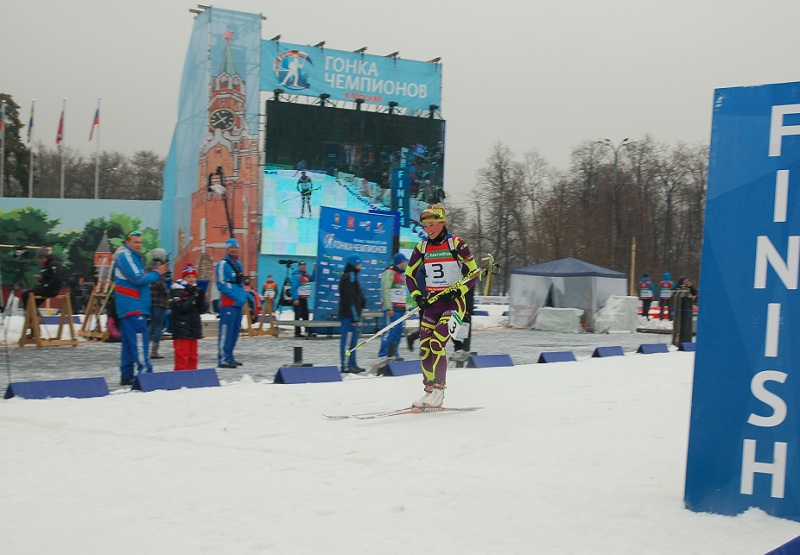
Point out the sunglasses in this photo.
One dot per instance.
(430, 216)
(133, 234)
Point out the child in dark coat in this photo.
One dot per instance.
(188, 303)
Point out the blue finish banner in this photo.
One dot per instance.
(744, 441)
(350, 76)
(401, 194)
(343, 233)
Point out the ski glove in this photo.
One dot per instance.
(422, 302)
(449, 296)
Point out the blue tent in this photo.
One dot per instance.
(565, 283)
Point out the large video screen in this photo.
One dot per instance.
(365, 144)
(348, 157)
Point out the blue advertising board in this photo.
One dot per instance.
(341, 234)
(744, 441)
(350, 76)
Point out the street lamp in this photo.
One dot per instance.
(221, 190)
(615, 149)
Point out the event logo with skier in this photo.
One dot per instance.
(293, 70)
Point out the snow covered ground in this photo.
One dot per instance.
(583, 457)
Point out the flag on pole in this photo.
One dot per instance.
(95, 123)
(30, 123)
(3, 122)
(60, 134)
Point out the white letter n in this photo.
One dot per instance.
(787, 271)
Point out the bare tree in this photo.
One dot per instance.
(524, 212)
(147, 170)
(537, 174)
(644, 204)
(692, 207)
(500, 194)
(670, 171)
(590, 215)
(560, 235)
(139, 178)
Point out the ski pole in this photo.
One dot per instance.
(290, 198)
(432, 300)
(298, 196)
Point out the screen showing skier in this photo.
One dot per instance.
(343, 158)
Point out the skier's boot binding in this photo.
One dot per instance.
(433, 398)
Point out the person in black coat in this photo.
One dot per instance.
(351, 303)
(50, 279)
(188, 302)
(685, 284)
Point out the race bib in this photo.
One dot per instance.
(454, 325)
(441, 274)
(304, 290)
(398, 296)
(269, 293)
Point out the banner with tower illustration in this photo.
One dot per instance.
(212, 178)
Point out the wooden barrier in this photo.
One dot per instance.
(32, 332)
(92, 326)
(248, 327)
(267, 312)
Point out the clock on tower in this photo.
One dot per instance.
(221, 119)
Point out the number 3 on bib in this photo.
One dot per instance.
(454, 325)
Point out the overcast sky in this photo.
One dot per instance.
(535, 75)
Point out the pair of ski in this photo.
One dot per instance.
(398, 412)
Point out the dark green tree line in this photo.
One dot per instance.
(138, 177)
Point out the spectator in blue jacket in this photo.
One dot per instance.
(230, 283)
(132, 301)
